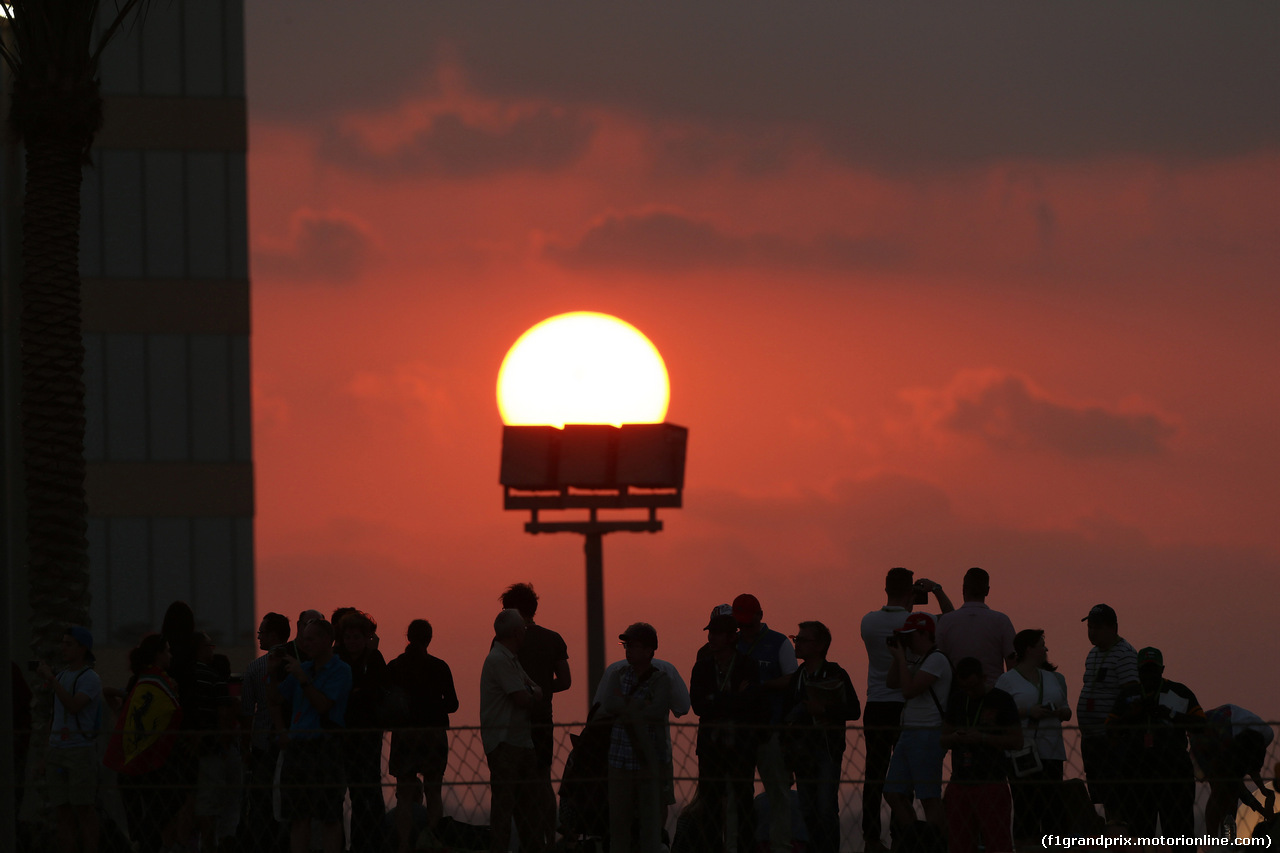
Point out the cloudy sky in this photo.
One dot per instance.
(938, 286)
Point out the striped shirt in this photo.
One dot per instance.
(1105, 672)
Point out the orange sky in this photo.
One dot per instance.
(935, 291)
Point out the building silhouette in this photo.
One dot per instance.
(164, 263)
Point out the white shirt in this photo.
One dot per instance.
(921, 711)
(500, 720)
(878, 626)
(1047, 733)
(78, 729)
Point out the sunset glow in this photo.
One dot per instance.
(583, 368)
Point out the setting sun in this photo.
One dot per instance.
(583, 368)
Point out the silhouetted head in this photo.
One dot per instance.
(977, 584)
(969, 677)
(812, 639)
(1104, 628)
(509, 627)
(273, 630)
(521, 596)
(419, 633)
(152, 650)
(897, 584)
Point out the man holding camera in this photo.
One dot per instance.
(882, 715)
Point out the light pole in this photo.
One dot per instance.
(597, 468)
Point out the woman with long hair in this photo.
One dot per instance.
(1035, 777)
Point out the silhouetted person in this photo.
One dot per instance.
(882, 715)
(1230, 746)
(980, 724)
(975, 630)
(924, 675)
(71, 763)
(820, 701)
(262, 831)
(1040, 693)
(423, 685)
(1111, 664)
(776, 659)
(362, 751)
(311, 778)
(545, 657)
(507, 698)
(724, 689)
(1148, 727)
(638, 697)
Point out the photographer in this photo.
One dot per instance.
(924, 675)
(882, 715)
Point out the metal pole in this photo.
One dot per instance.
(595, 612)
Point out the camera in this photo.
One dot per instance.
(921, 593)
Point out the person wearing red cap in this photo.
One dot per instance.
(924, 675)
(776, 657)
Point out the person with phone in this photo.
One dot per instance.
(923, 673)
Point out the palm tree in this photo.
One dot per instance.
(56, 110)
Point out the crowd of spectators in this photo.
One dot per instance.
(270, 760)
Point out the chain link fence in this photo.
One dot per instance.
(465, 792)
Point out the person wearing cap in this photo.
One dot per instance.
(821, 702)
(724, 689)
(1111, 664)
(975, 630)
(637, 698)
(1148, 728)
(508, 697)
(882, 714)
(1230, 746)
(923, 673)
(71, 764)
(776, 658)
(678, 706)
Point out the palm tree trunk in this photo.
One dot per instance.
(53, 384)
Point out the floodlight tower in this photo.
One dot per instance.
(596, 467)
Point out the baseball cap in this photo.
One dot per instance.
(82, 636)
(1150, 655)
(718, 610)
(746, 608)
(640, 632)
(722, 625)
(916, 622)
(1101, 613)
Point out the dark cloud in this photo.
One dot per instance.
(451, 147)
(1007, 413)
(323, 247)
(882, 85)
(662, 241)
